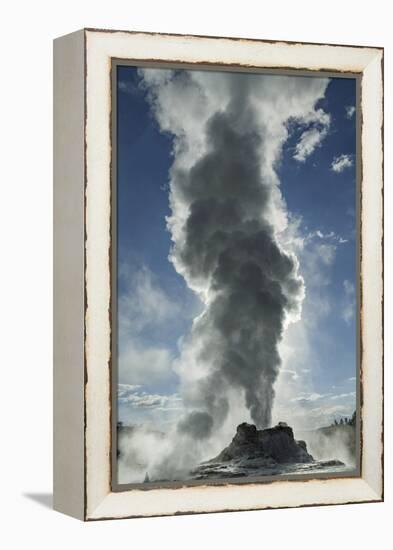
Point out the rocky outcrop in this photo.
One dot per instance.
(253, 452)
(275, 444)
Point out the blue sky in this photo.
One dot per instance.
(156, 308)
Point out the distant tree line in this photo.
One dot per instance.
(346, 421)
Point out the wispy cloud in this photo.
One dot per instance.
(131, 396)
(140, 363)
(318, 126)
(348, 311)
(315, 396)
(331, 236)
(128, 87)
(326, 415)
(290, 372)
(144, 303)
(309, 397)
(125, 389)
(144, 310)
(343, 395)
(327, 253)
(317, 237)
(350, 111)
(340, 163)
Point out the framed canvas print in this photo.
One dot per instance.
(218, 274)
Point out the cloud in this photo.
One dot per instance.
(325, 415)
(140, 363)
(316, 252)
(292, 373)
(340, 163)
(331, 239)
(348, 311)
(128, 87)
(125, 389)
(321, 235)
(332, 236)
(144, 309)
(133, 397)
(350, 111)
(311, 397)
(143, 303)
(308, 397)
(326, 253)
(318, 127)
(309, 140)
(308, 411)
(349, 287)
(296, 391)
(343, 395)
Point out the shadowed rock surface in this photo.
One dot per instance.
(253, 452)
(277, 444)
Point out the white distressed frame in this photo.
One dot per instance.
(100, 47)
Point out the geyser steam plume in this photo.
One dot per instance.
(229, 246)
(227, 215)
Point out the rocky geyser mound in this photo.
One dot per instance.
(255, 452)
(277, 444)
